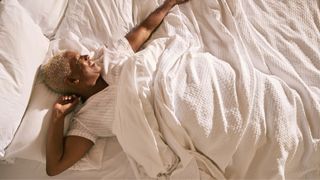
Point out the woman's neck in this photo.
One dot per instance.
(100, 85)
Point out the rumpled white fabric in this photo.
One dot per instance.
(228, 86)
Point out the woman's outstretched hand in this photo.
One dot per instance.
(64, 105)
(180, 1)
(175, 2)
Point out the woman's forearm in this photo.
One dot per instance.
(54, 146)
(141, 33)
(62, 152)
(156, 17)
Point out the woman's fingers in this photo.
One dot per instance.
(65, 104)
(65, 99)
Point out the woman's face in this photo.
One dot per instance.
(83, 69)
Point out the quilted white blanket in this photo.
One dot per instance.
(229, 88)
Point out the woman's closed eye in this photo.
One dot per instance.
(85, 57)
(82, 58)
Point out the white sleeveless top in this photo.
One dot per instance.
(94, 118)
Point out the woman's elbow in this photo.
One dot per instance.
(52, 171)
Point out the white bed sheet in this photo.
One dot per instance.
(115, 165)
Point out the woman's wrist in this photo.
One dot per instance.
(57, 116)
(170, 3)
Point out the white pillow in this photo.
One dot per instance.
(22, 49)
(30, 140)
(47, 14)
(100, 20)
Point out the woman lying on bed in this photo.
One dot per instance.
(79, 76)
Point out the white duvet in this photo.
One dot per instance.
(240, 105)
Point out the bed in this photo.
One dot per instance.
(228, 88)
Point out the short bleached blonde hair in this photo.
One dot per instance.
(54, 73)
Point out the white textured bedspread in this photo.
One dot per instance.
(232, 87)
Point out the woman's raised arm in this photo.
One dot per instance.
(141, 33)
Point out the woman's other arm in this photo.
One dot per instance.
(141, 33)
(62, 152)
